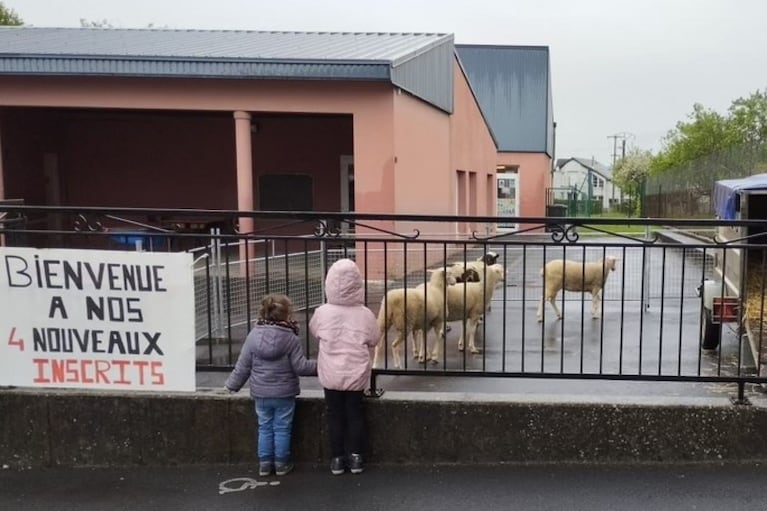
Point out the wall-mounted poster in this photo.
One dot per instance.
(507, 198)
(96, 319)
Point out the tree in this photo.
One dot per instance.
(749, 118)
(631, 172)
(8, 16)
(704, 133)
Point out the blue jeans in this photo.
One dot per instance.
(275, 424)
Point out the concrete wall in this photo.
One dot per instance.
(60, 428)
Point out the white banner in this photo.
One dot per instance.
(96, 319)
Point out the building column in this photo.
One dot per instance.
(244, 168)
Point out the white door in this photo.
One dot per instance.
(347, 188)
(508, 194)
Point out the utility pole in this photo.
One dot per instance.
(623, 137)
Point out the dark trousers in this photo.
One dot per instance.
(346, 421)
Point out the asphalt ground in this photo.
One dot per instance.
(714, 487)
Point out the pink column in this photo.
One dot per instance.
(244, 168)
(244, 174)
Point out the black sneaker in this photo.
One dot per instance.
(264, 468)
(337, 466)
(355, 464)
(282, 469)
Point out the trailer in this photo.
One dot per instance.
(736, 294)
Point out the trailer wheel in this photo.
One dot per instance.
(710, 332)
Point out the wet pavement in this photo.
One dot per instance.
(713, 487)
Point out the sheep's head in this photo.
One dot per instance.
(611, 262)
(462, 274)
(489, 258)
(498, 270)
(468, 275)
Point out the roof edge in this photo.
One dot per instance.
(424, 49)
(476, 100)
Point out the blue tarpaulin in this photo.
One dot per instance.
(726, 193)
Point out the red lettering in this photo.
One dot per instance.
(57, 368)
(41, 363)
(157, 374)
(73, 375)
(102, 366)
(142, 365)
(121, 364)
(15, 342)
(84, 365)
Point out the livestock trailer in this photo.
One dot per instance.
(737, 293)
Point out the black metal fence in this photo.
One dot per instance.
(649, 322)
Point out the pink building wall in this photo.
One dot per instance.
(473, 151)
(534, 178)
(370, 104)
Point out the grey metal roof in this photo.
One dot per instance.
(513, 87)
(420, 63)
(588, 163)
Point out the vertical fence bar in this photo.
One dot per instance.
(662, 308)
(681, 313)
(524, 302)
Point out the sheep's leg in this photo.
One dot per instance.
(417, 352)
(595, 302)
(395, 349)
(440, 336)
(553, 302)
(379, 349)
(422, 346)
(472, 325)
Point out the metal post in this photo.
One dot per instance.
(219, 285)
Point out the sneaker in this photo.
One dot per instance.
(283, 468)
(337, 466)
(264, 468)
(355, 464)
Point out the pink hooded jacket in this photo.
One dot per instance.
(346, 329)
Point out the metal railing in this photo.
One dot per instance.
(653, 320)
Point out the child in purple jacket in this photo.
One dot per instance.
(347, 331)
(272, 359)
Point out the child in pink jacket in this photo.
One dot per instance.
(347, 332)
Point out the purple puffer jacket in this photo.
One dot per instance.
(346, 329)
(272, 358)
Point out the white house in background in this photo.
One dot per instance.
(573, 175)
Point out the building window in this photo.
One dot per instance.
(596, 181)
(285, 192)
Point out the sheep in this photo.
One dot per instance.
(575, 276)
(425, 311)
(467, 301)
(478, 266)
(474, 271)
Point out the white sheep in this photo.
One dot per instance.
(425, 311)
(467, 301)
(575, 276)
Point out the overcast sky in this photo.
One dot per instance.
(618, 66)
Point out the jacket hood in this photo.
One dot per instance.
(274, 342)
(343, 285)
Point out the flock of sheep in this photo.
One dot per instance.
(463, 292)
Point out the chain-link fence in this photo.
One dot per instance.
(685, 191)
